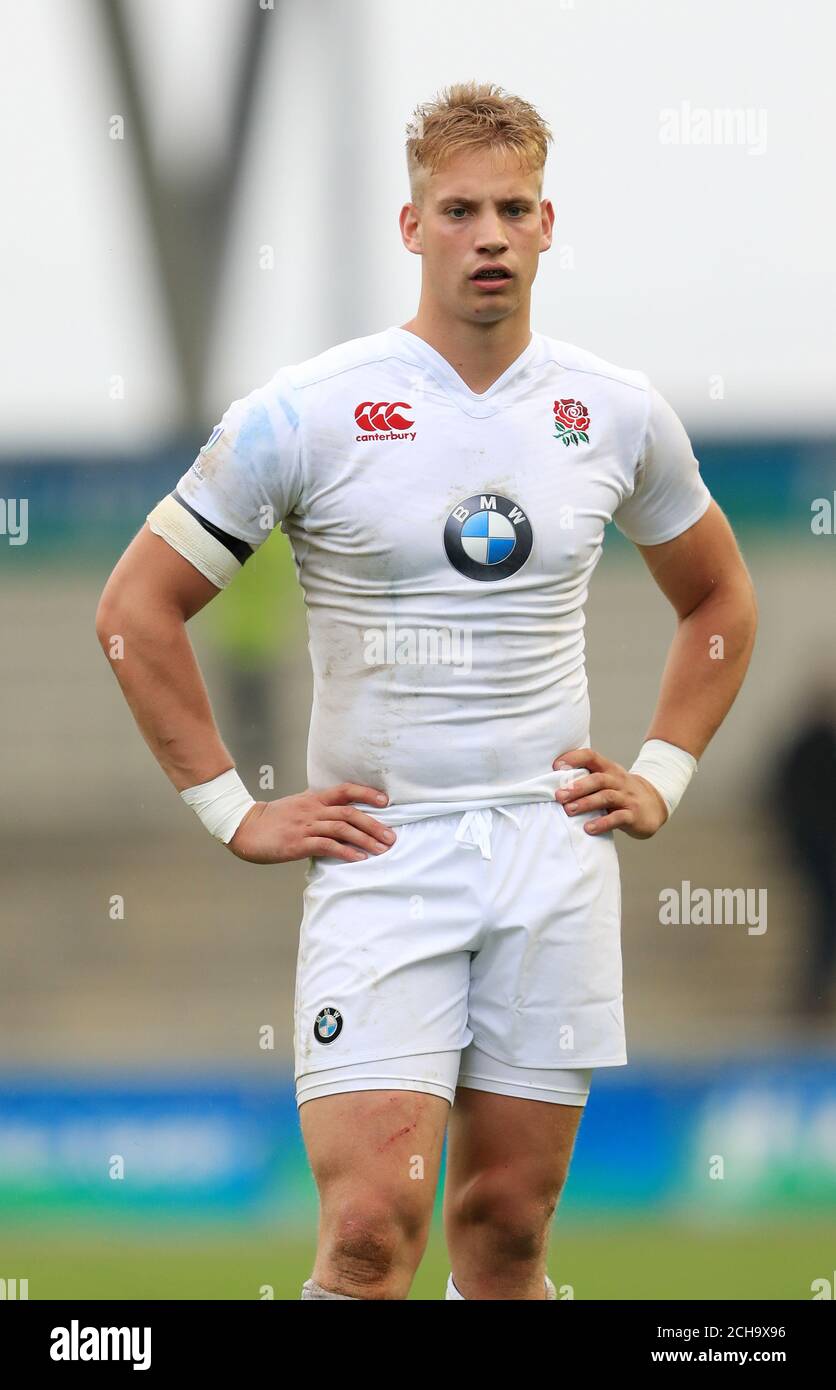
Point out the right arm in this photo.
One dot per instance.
(141, 625)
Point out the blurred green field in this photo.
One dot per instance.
(619, 1261)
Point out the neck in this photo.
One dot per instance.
(479, 352)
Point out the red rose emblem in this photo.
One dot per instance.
(573, 415)
(571, 421)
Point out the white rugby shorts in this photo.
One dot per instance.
(482, 949)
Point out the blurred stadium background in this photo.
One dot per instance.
(201, 192)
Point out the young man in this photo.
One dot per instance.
(445, 485)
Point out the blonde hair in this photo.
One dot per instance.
(472, 115)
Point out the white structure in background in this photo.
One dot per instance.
(708, 267)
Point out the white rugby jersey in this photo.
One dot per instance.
(444, 541)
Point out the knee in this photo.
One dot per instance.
(367, 1239)
(514, 1210)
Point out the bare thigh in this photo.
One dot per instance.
(390, 1141)
(485, 1130)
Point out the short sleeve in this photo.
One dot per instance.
(669, 494)
(242, 484)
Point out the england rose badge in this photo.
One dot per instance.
(571, 421)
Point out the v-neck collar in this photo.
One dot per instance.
(474, 403)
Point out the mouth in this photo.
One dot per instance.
(491, 274)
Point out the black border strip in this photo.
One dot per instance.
(240, 549)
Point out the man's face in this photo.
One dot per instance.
(481, 208)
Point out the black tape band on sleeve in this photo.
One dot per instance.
(240, 549)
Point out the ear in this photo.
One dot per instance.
(410, 225)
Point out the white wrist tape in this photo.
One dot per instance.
(667, 767)
(221, 804)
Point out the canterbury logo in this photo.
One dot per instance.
(384, 419)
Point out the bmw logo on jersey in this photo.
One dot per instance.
(487, 537)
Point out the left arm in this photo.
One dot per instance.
(703, 575)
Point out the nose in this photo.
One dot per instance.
(491, 236)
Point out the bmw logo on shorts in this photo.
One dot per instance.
(487, 537)
(328, 1025)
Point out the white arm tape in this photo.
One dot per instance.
(184, 533)
(668, 768)
(221, 804)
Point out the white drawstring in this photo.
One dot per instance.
(474, 828)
